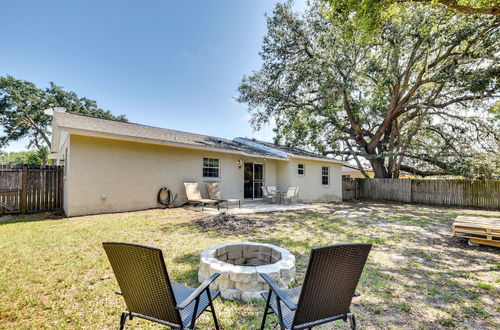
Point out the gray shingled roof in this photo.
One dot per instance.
(92, 124)
(131, 130)
(289, 150)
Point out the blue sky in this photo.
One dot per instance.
(173, 64)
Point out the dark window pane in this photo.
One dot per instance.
(325, 175)
(300, 169)
(210, 172)
(210, 167)
(258, 173)
(210, 162)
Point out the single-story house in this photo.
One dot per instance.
(113, 166)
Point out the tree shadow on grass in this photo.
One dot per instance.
(34, 217)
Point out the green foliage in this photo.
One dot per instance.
(369, 15)
(31, 157)
(413, 98)
(495, 111)
(21, 110)
(484, 286)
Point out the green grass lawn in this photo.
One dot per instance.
(54, 273)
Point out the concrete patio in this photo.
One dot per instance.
(248, 207)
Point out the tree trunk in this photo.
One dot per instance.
(379, 169)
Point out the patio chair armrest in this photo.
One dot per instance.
(274, 288)
(197, 292)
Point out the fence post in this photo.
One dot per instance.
(411, 190)
(24, 190)
(359, 186)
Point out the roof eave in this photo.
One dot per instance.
(329, 160)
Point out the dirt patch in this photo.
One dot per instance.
(230, 223)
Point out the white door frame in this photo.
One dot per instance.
(253, 179)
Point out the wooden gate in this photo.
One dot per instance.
(30, 188)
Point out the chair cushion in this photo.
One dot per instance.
(192, 190)
(214, 190)
(181, 292)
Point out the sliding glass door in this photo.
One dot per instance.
(253, 180)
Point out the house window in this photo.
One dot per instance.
(325, 175)
(211, 167)
(301, 169)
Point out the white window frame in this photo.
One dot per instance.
(327, 175)
(217, 167)
(303, 169)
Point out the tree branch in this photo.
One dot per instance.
(361, 169)
(415, 171)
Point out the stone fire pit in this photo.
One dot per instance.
(239, 265)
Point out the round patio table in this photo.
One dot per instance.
(279, 195)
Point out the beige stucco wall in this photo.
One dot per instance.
(130, 174)
(284, 175)
(63, 159)
(108, 175)
(310, 185)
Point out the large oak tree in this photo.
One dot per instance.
(22, 106)
(414, 98)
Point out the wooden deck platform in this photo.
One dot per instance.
(478, 230)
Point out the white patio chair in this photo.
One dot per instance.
(215, 193)
(292, 195)
(266, 196)
(194, 196)
(272, 190)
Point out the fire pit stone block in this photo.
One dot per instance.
(240, 265)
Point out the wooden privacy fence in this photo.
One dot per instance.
(472, 193)
(30, 188)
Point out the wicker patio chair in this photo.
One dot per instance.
(148, 292)
(268, 197)
(215, 193)
(193, 195)
(325, 296)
